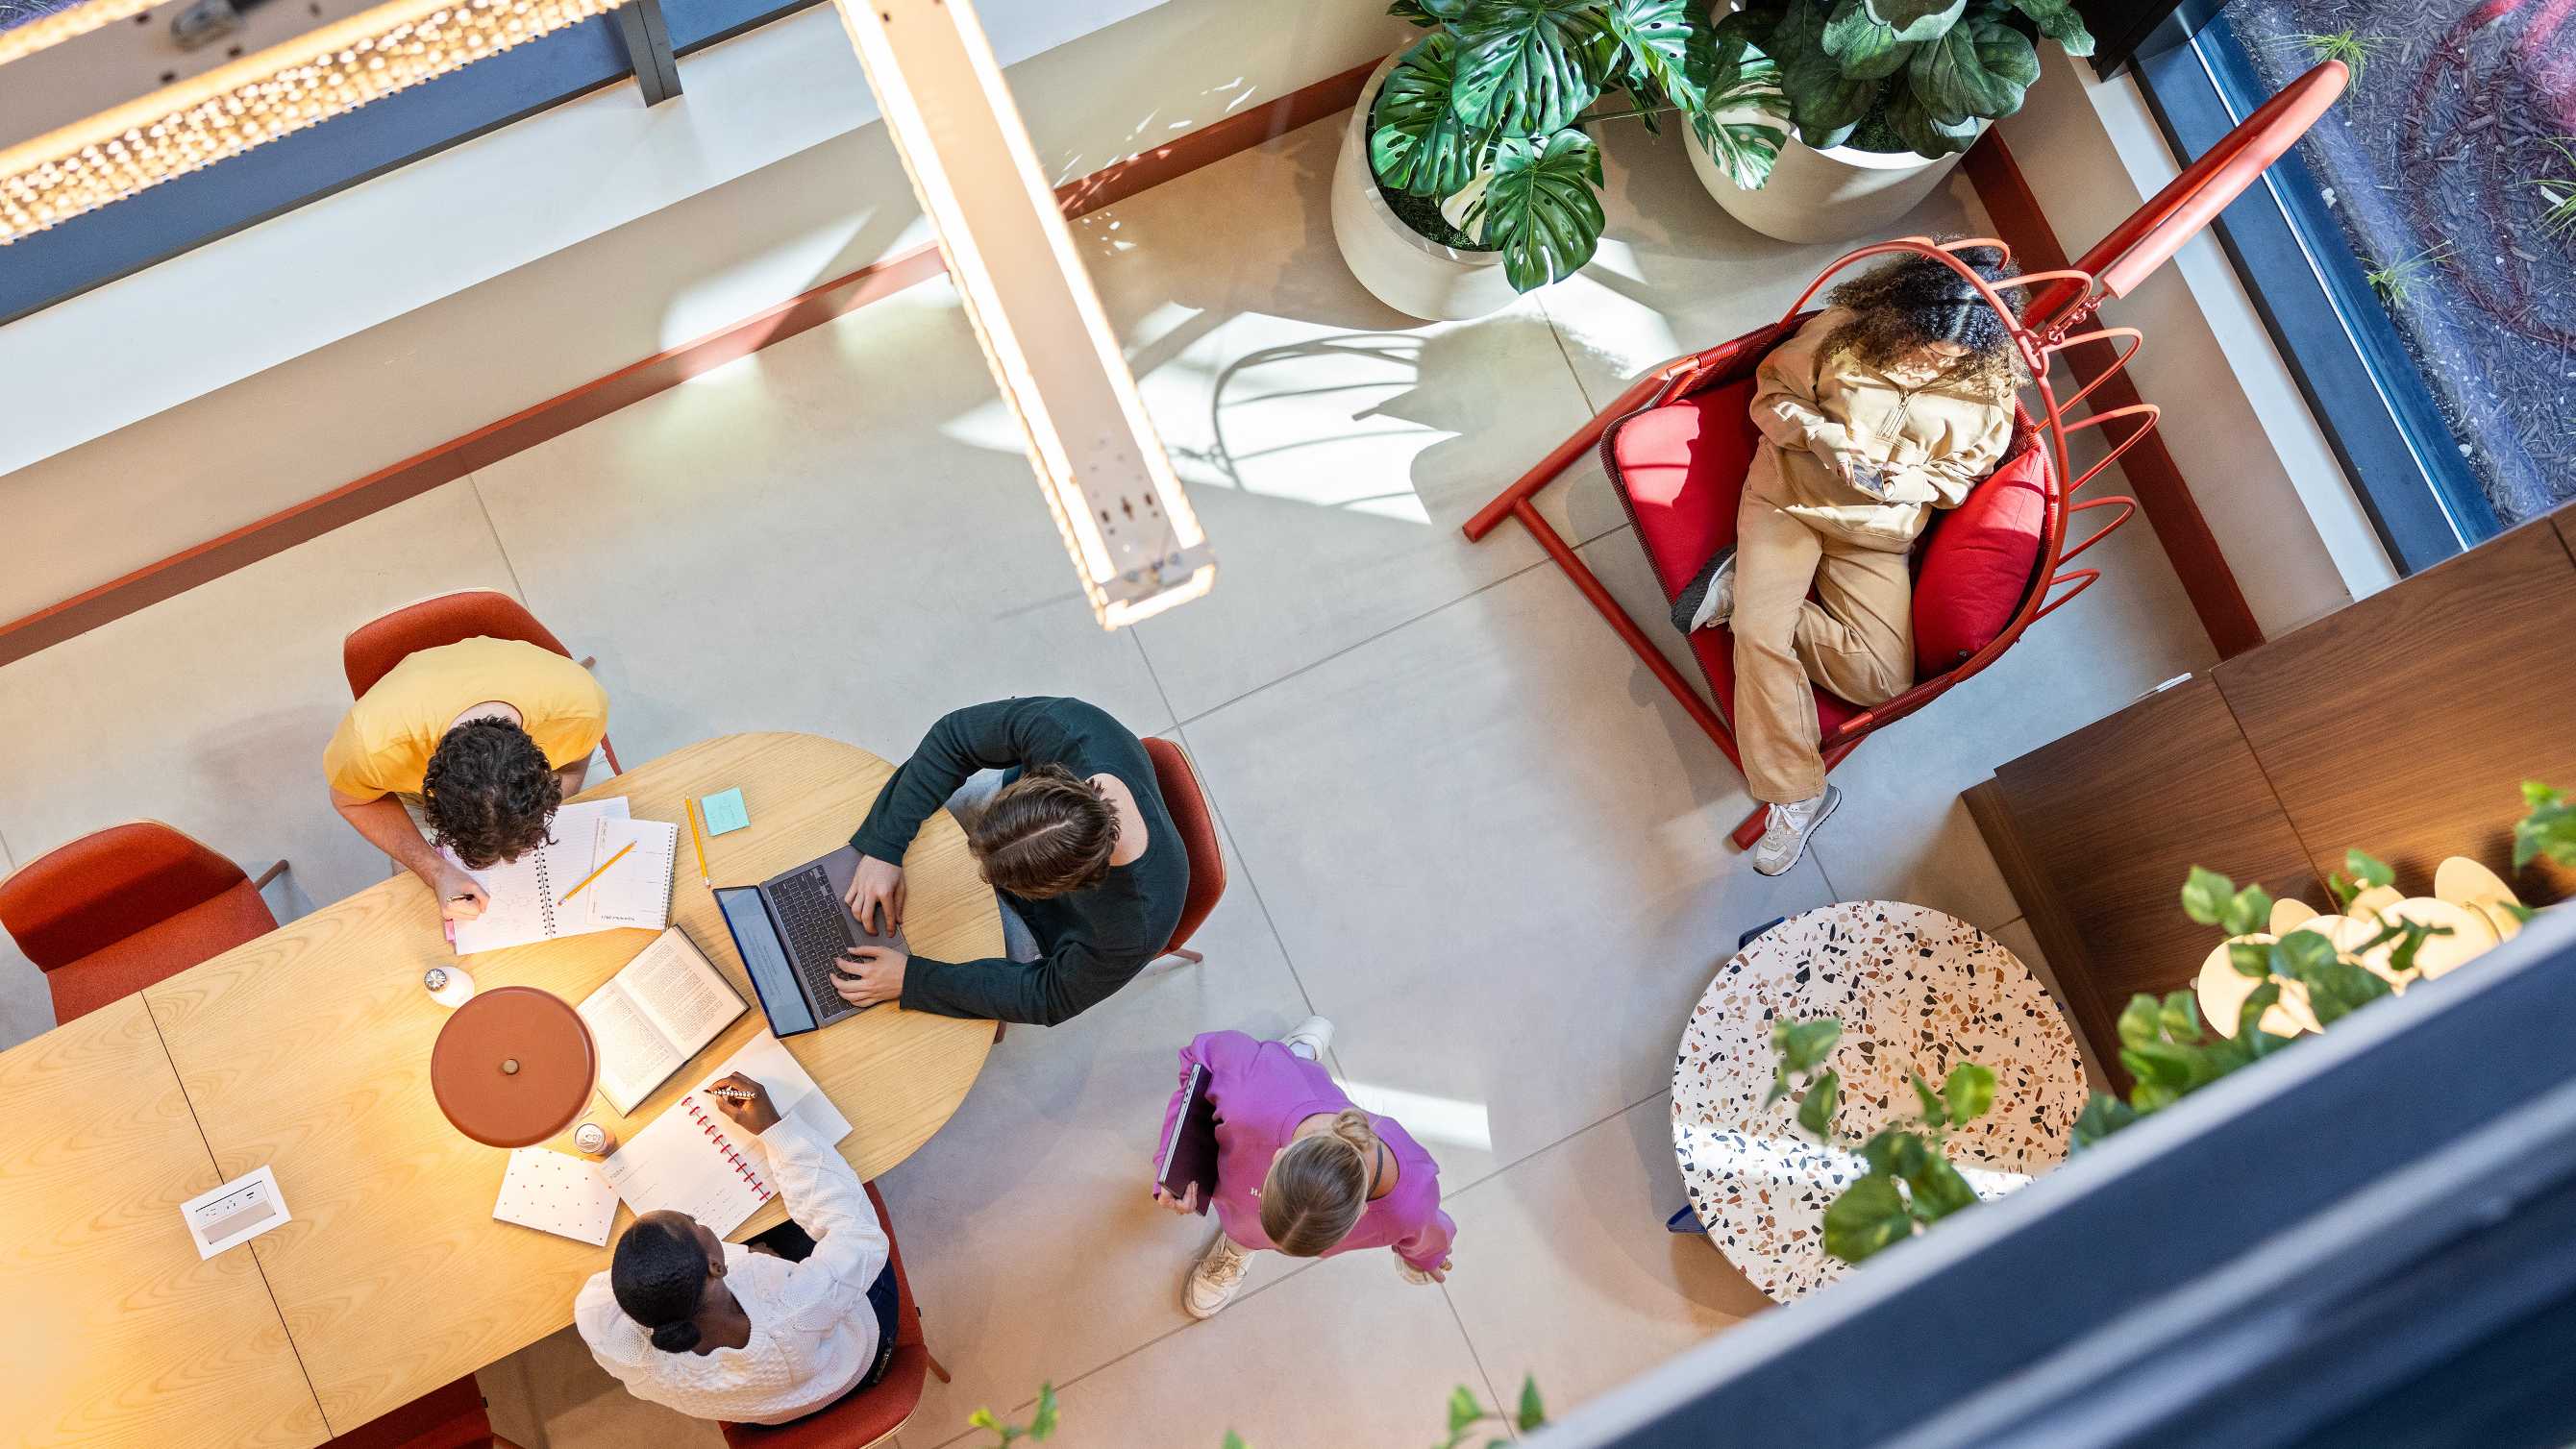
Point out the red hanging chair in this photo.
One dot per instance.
(1677, 443)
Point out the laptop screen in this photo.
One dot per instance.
(771, 973)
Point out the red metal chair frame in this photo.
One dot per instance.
(2060, 303)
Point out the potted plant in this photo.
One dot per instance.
(1884, 94)
(1469, 172)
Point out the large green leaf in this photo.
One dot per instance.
(2548, 831)
(1427, 13)
(2205, 894)
(1862, 45)
(2102, 1116)
(1543, 208)
(1914, 20)
(1659, 38)
(1816, 1109)
(1980, 69)
(1939, 1190)
(1825, 103)
(2058, 21)
(1868, 1217)
(1802, 1044)
(1967, 1092)
(1745, 119)
(1419, 145)
(1526, 67)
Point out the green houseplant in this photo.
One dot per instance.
(1486, 125)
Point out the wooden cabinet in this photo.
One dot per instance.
(2402, 724)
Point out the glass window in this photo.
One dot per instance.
(2448, 176)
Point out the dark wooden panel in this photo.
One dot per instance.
(2107, 822)
(2404, 723)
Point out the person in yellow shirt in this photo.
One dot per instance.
(484, 738)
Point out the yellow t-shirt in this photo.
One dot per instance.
(383, 745)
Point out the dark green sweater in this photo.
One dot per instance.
(1094, 941)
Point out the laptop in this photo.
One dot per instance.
(791, 930)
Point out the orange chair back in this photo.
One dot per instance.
(87, 896)
(1188, 807)
(372, 650)
(865, 1415)
(448, 1418)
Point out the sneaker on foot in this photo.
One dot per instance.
(1709, 599)
(1310, 1038)
(1212, 1282)
(1789, 828)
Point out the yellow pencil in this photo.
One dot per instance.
(603, 870)
(697, 842)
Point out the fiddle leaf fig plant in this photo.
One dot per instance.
(1490, 114)
(1919, 75)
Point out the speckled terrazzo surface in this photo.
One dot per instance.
(1916, 990)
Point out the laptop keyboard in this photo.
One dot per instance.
(816, 936)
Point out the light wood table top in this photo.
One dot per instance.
(309, 1049)
(112, 1329)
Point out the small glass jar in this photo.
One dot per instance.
(449, 986)
(594, 1140)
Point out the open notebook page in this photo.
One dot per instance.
(526, 893)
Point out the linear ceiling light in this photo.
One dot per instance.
(1135, 542)
(1134, 539)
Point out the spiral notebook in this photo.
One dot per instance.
(526, 894)
(690, 1158)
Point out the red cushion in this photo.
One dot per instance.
(448, 1418)
(1978, 563)
(159, 951)
(372, 650)
(93, 892)
(1680, 468)
(1178, 783)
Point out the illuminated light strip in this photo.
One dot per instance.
(195, 122)
(1134, 539)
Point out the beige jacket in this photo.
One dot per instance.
(1936, 440)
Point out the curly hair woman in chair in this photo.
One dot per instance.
(1893, 402)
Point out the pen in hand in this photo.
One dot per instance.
(730, 1094)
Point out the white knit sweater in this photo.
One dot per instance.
(813, 1334)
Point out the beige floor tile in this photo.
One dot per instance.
(1026, 1225)
(1331, 446)
(1566, 1273)
(2017, 938)
(1676, 274)
(210, 710)
(1494, 851)
(838, 534)
(556, 1393)
(26, 1008)
(1343, 1355)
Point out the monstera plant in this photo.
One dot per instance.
(1490, 114)
(1889, 75)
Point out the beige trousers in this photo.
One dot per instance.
(1856, 638)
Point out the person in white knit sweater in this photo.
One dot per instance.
(741, 1334)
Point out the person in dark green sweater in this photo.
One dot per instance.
(1075, 840)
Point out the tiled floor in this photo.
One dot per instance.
(1460, 821)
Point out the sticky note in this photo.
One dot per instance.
(724, 812)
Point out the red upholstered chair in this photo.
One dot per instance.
(112, 913)
(372, 650)
(1188, 807)
(866, 1415)
(451, 1418)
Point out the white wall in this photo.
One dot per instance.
(282, 362)
(2286, 518)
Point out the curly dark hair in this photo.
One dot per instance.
(1047, 833)
(489, 793)
(1911, 301)
(659, 1273)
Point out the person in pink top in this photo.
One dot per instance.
(1300, 1169)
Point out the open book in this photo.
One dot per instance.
(694, 1159)
(654, 1015)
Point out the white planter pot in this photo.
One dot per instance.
(1400, 266)
(1838, 195)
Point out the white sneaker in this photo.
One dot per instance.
(1212, 1282)
(1310, 1038)
(1413, 1275)
(1790, 827)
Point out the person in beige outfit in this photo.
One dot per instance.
(1894, 402)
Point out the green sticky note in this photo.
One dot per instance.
(724, 812)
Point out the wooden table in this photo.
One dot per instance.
(1916, 990)
(112, 1330)
(308, 1049)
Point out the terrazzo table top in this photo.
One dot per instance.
(1916, 990)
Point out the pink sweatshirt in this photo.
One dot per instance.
(1261, 1091)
